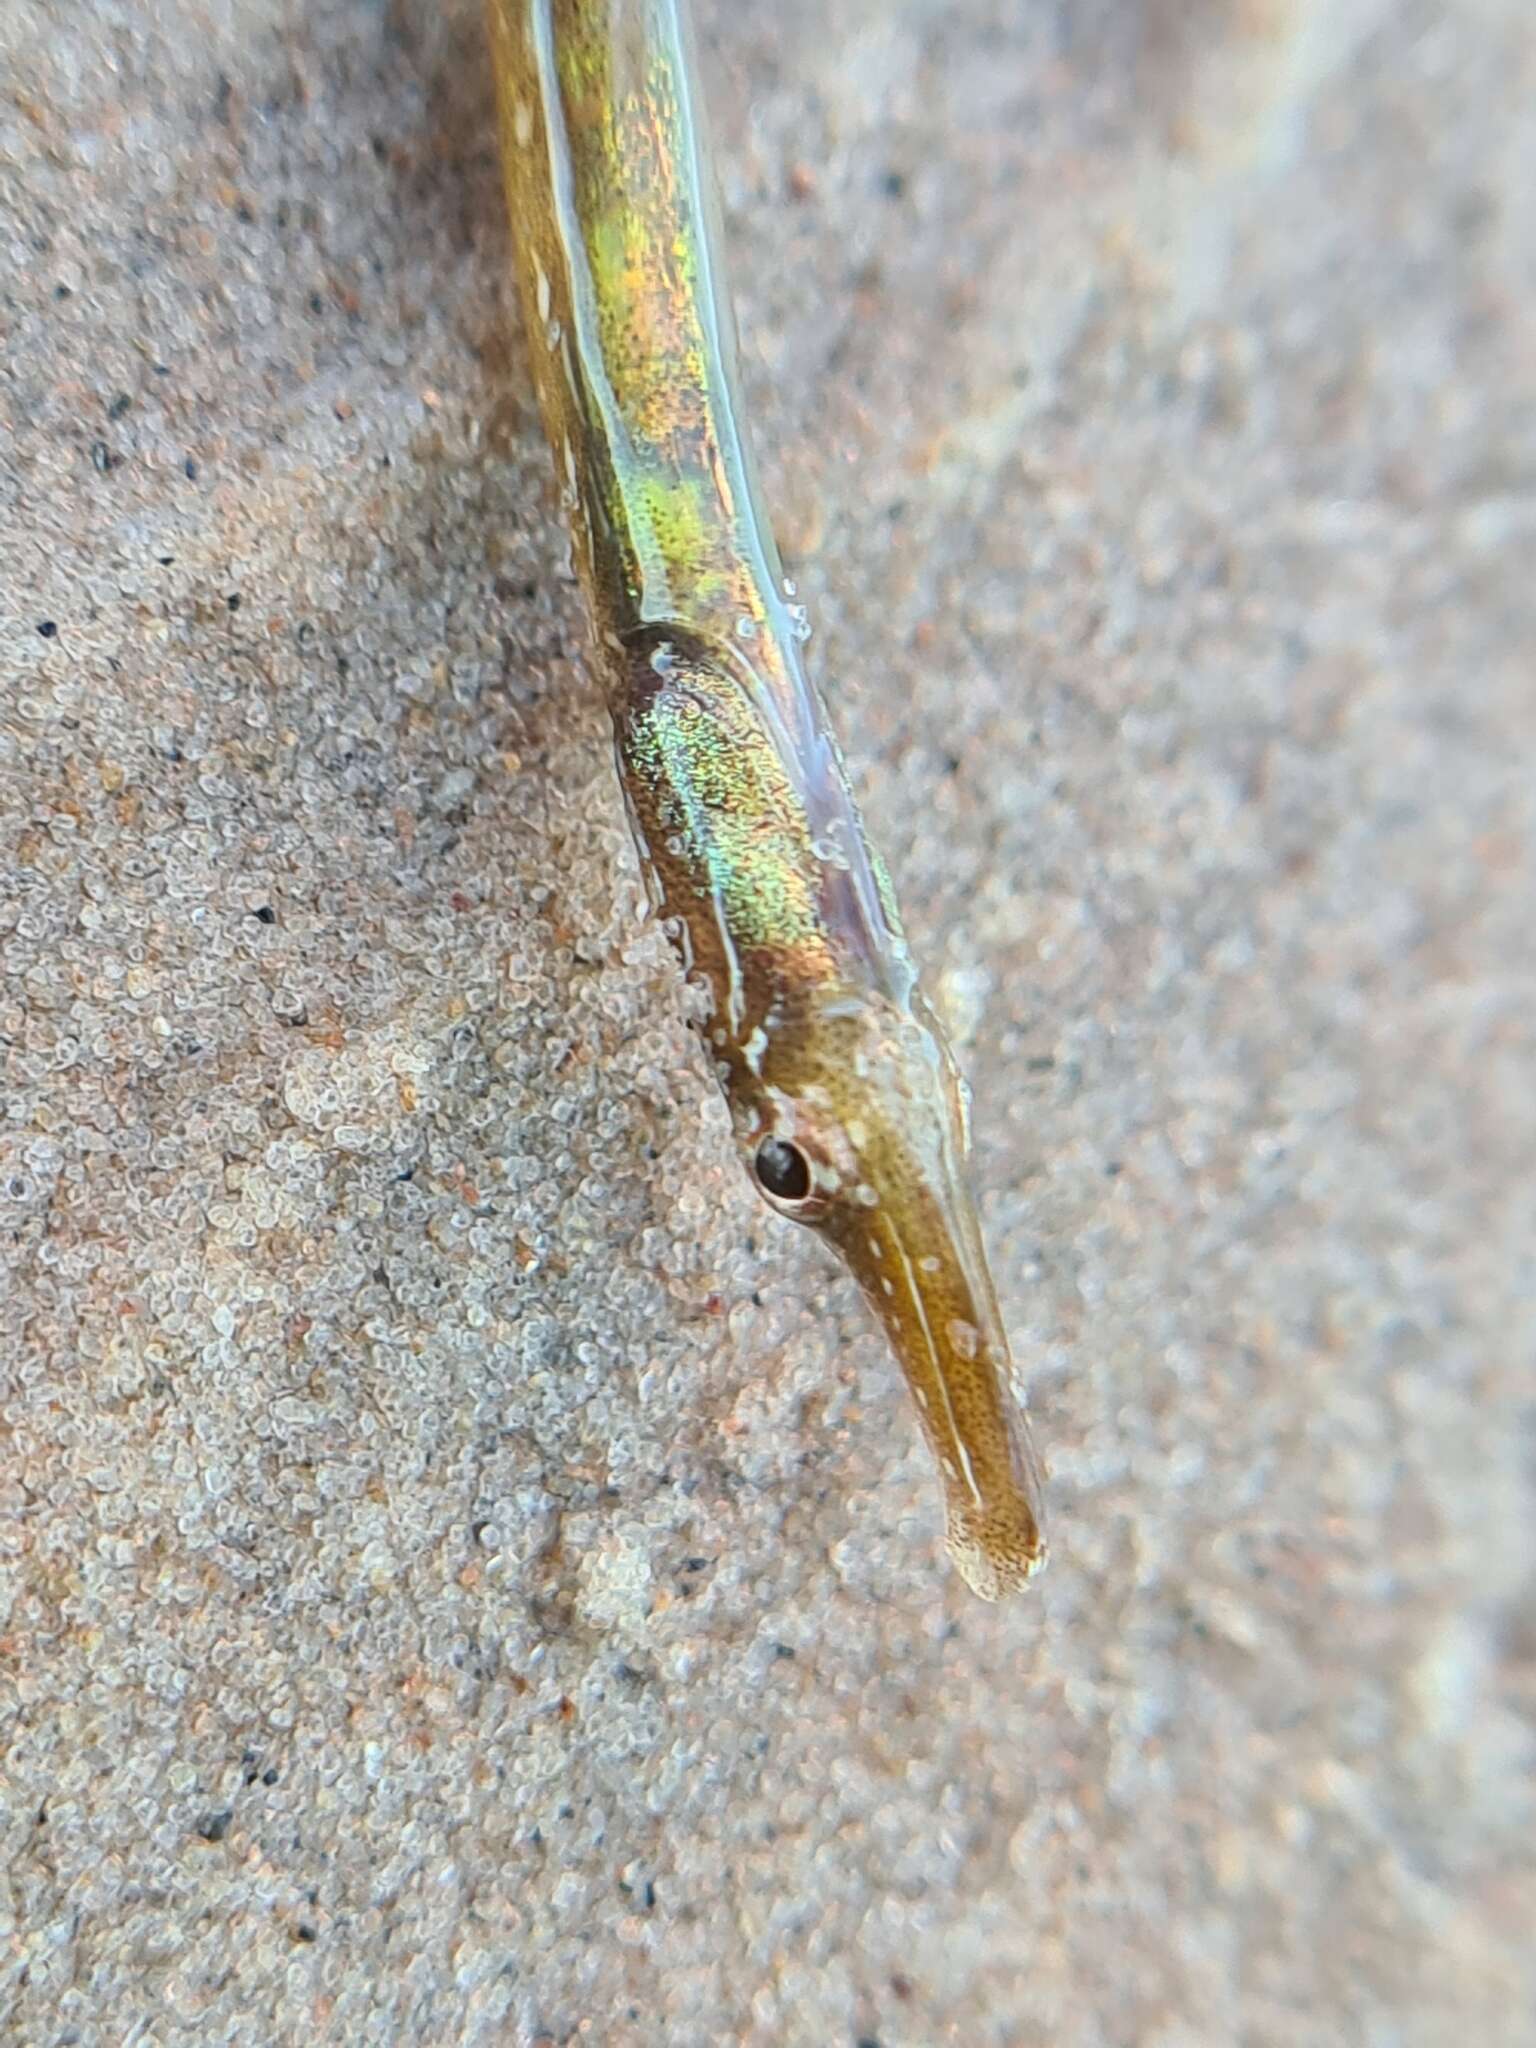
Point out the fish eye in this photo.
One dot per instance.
(782, 1170)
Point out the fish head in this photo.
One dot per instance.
(852, 1119)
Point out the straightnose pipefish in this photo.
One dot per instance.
(845, 1099)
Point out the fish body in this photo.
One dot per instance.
(845, 1099)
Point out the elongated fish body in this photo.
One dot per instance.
(845, 1099)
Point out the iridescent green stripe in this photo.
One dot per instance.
(649, 353)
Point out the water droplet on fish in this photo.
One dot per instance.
(790, 586)
(799, 621)
(663, 659)
(746, 628)
(553, 333)
(865, 1193)
(673, 843)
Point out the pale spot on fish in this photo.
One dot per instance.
(865, 1193)
(965, 1337)
(541, 289)
(522, 123)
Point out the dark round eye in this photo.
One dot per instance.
(782, 1170)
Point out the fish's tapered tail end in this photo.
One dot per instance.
(996, 1548)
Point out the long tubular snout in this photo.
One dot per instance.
(917, 1255)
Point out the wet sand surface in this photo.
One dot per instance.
(467, 1572)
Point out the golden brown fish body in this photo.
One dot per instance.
(844, 1096)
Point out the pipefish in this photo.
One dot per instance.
(845, 1098)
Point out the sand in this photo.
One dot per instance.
(467, 1573)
